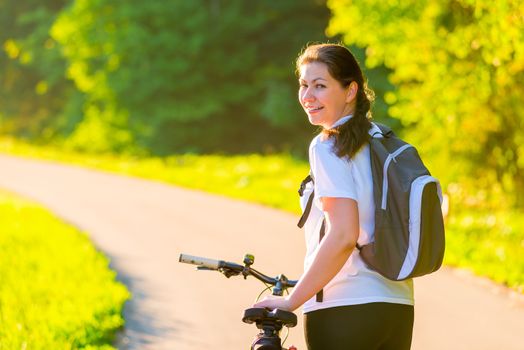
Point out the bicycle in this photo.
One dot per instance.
(269, 323)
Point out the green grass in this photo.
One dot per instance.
(489, 244)
(56, 290)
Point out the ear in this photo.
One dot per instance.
(352, 90)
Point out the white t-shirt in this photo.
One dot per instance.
(347, 178)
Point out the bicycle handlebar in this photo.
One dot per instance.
(211, 264)
(270, 323)
(232, 269)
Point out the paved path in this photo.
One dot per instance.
(143, 226)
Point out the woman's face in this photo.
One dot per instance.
(323, 98)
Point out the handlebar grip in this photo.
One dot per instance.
(197, 260)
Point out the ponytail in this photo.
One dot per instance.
(353, 134)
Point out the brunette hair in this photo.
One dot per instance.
(342, 65)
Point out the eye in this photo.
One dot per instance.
(320, 86)
(303, 85)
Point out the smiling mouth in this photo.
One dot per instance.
(314, 109)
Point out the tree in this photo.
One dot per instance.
(34, 93)
(186, 75)
(458, 66)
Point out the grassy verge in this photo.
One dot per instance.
(56, 290)
(270, 180)
(490, 244)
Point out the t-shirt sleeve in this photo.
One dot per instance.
(332, 175)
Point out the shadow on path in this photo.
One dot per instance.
(142, 328)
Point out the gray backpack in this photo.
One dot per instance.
(409, 227)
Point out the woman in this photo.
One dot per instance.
(357, 308)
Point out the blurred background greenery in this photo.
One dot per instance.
(214, 78)
(159, 77)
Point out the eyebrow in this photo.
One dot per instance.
(319, 78)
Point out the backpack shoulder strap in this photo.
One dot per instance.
(303, 184)
(384, 130)
(307, 209)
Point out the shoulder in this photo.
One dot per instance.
(322, 146)
(322, 155)
(317, 140)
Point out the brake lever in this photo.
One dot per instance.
(226, 272)
(204, 268)
(229, 272)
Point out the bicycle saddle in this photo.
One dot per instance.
(258, 315)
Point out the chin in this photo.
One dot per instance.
(314, 121)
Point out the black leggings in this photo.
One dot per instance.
(373, 326)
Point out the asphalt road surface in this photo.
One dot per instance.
(143, 226)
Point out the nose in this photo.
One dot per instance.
(307, 95)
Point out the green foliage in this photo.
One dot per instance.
(160, 77)
(458, 67)
(34, 93)
(186, 75)
(56, 291)
(378, 82)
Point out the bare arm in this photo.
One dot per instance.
(342, 229)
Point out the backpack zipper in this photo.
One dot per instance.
(385, 173)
